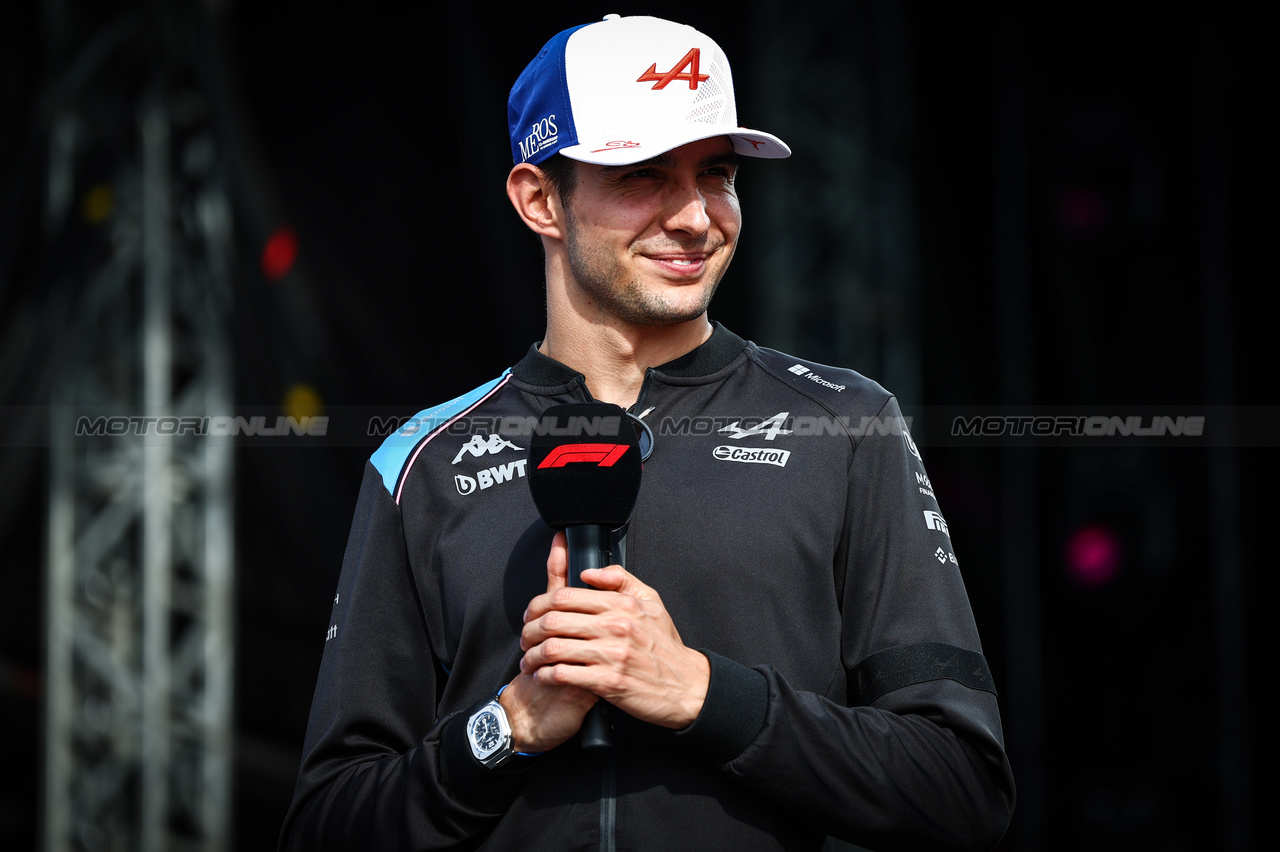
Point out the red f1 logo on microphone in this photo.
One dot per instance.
(604, 455)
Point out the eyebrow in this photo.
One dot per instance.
(722, 158)
(666, 161)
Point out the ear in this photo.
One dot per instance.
(534, 200)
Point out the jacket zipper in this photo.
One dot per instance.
(609, 762)
(637, 408)
(609, 771)
(608, 800)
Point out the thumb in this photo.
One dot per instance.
(615, 578)
(558, 563)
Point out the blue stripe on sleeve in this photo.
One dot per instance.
(391, 457)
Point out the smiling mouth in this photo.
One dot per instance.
(681, 267)
(682, 262)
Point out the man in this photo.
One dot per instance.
(789, 652)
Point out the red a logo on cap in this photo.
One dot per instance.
(677, 72)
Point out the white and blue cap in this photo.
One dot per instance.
(626, 89)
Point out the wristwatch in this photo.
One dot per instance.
(489, 733)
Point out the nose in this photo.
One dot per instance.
(686, 209)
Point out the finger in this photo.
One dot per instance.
(556, 623)
(556, 650)
(557, 576)
(573, 599)
(579, 614)
(578, 677)
(558, 563)
(615, 578)
(565, 651)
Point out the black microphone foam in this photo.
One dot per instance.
(584, 465)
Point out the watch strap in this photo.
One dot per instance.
(491, 790)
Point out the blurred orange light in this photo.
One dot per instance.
(302, 400)
(97, 204)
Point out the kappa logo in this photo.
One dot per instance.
(934, 521)
(677, 72)
(770, 428)
(478, 446)
(489, 477)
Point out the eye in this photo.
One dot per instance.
(724, 173)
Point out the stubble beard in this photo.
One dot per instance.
(600, 276)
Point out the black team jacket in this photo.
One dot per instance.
(786, 520)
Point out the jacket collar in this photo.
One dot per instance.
(718, 350)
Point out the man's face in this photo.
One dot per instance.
(649, 242)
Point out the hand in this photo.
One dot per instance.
(543, 715)
(615, 640)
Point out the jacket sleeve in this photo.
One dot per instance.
(379, 770)
(914, 756)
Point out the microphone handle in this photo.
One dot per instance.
(590, 547)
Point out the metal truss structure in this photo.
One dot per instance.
(140, 536)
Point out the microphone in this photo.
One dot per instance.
(584, 475)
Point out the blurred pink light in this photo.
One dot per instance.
(1093, 556)
(1082, 208)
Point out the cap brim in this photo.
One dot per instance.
(617, 151)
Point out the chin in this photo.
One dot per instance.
(664, 312)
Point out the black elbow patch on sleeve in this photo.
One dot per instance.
(894, 668)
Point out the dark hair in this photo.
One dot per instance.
(562, 174)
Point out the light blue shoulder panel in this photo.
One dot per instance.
(391, 457)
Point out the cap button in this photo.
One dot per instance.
(612, 16)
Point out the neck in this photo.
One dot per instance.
(613, 353)
(614, 359)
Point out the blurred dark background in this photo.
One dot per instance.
(1013, 205)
